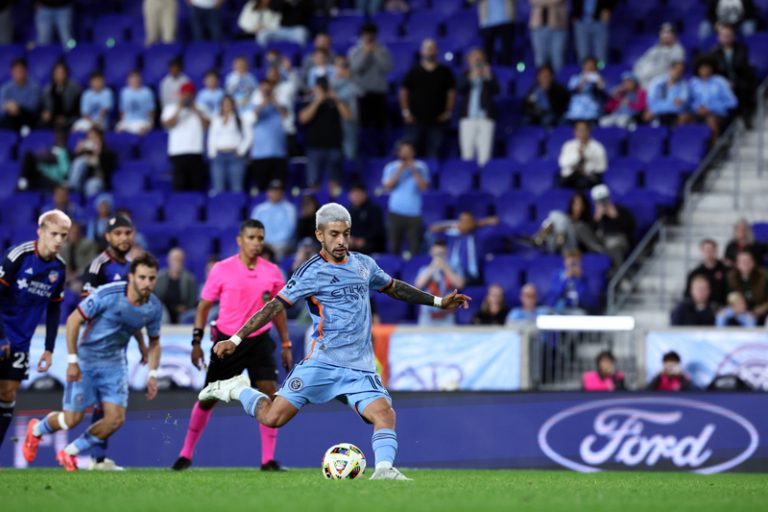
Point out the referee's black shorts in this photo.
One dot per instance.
(256, 354)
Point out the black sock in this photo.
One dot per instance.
(6, 415)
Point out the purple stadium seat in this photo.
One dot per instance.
(200, 57)
(291, 50)
(197, 240)
(118, 62)
(144, 206)
(111, 30)
(183, 208)
(123, 144)
(420, 25)
(505, 77)
(9, 174)
(457, 177)
(621, 179)
(392, 311)
(689, 143)
(20, 210)
(83, 60)
(761, 231)
(504, 270)
(524, 144)
(523, 81)
(461, 27)
(612, 138)
(598, 263)
(537, 179)
(758, 57)
(40, 60)
(225, 209)
(159, 237)
(497, 177)
(345, 28)
(389, 263)
(464, 316)
(403, 55)
(7, 55)
(478, 203)
(555, 199)
(8, 140)
(435, 206)
(410, 268)
(539, 272)
(513, 209)
(19, 234)
(137, 167)
(247, 49)
(556, 139)
(127, 183)
(389, 25)
(647, 143)
(445, 8)
(667, 185)
(38, 140)
(156, 59)
(154, 147)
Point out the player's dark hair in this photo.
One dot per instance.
(250, 223)
(671, 356)
(144, 259)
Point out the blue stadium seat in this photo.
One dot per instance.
(389, 263)
(689, 142)
(7, 55)
(20, 210)
(156, 59)
(555, 199)
(497, 177)
(159, 237)
(9, 175)
(505, 270)
(646, 143)
(36, 141)
(392, 311)
(540, 271)
(556, 139)
(760, 230)
(666, 185)
(537, 179)
(137, 167)
(410, 268)
(389, 25)
(524, 144)
(144, 206)
(524, 81)
(40, 60)
(478, 203)
(612, 138)
(20, 234)
(111, 30)
(83, 60)
(462, 27)
(595, 263)
(436, 206)
(127, 183)
(421, 25)
(464, 316)
(457, 177)
(513, 209)
(200, 57)
(154, 147)
(124, 144)
(247, 49)
(225, 209)
(118, 62)
(345, 27)
(183, 208)
(8, 140)
(620, 182)
(197, 240)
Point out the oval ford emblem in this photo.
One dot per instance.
(658, 433)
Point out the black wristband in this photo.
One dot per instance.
(197, 336)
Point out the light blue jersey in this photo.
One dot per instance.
(338, 299)
(112, 320)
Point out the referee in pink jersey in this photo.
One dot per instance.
(242, 284)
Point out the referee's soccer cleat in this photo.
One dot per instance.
(31, 442)
(221, 389)
(181, 464)
(388, 474)
(272, 465)
(105, 465)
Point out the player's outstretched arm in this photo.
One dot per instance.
(259, 319)
(405, 292)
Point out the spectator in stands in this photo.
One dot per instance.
(229, 141)
(546, 100)
(712, 99)
(743, 240)
(50, 15)
(582, 159)
(627, 103)
(6, 22)
(295, 18)
(605, 378)
(713, 269)
(368, 233)
(591, 27)
(658, 58)
(205, 19)
(371, 62)
(731, 60)
(573, 229)
(209, 98)
(668, 97)
(671, 377)
(529, 306)
(751, 280)
(78, 252)
(240, 83)
(285, 87)
(736, 313)
(322, 41)
(269, 156)
(97, 226)
(269, 25)
(497, 23)
(587, 93)
(349, 93)
(697, 309)
(569, 292)
(738, 13)
(324, 138)
(615, 225)
(186, 143)
(493, 310)
(438, 278)
(462, 243)
(93, 165)
(160, 21)
(96, 105)
(405, 180)
(177, 288)
(137, 106)
(279, 218)
(60, 98)
(20, 98)
(305, 250)
(306, 225)
(171, 82)
(427, 97)
(549, 32)
(61, 199)
(478, 87)
(322, 66)
(47, 167)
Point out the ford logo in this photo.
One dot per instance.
(659, 433)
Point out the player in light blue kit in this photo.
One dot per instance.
(340, 364)
(113, 312)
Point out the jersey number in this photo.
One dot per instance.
(22, 361)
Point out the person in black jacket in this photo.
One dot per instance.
(591, 25)
(477, 87)
(731, 59)
(739, 13)
(696, 310)
(368, 233)
(546, 100)
(713, 269)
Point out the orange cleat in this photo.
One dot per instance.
(68, 462)
(31, 443)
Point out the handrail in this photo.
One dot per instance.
(761, 99)
(612, 302)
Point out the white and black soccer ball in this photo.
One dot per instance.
(343, 461)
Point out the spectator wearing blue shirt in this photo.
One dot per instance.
(405, 179)
(279, 218)
(209, 97)
(20, 98)
(137, 106)
(737, 314)
(497, 23)
(463, 250)
(349, 93)
(569, 291)
(587, 93)
(96, 105)
(529, 306)
(668, 97)
(240, 83)
(269, 153)
(438, 278)
(711, 96)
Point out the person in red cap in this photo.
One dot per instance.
(186, 129)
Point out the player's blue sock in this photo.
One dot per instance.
(44, 427)
(6, 415)
(250, 397)
(85, 442)
(384, 442)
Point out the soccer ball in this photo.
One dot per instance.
(342, 461)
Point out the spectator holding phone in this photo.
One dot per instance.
(671, 377)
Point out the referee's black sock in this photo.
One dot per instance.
(6, 415)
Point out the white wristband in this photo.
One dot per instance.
(236, 339)
(438, 303)
(72, 358)
(152, 374)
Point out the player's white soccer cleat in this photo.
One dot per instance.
(388, 474)
(106, 465)
(220, 390)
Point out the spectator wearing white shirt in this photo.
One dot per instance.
(229, 139)
(279, 218)
(265, 24)
(657, 59)
(171, 83)
(582, 159)
(186, 132)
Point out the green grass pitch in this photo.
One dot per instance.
(302, 490)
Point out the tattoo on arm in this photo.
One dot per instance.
(403, 291)
(261, 318)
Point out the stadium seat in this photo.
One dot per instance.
(421, 25)
(524, 144)
(345, 27)
(760, 230)
(392, 311)
(118, 63)
(225, 209)
(83, 60)
(612, 138)
(159, 237)
(504, 270)
(480, 204)
(36, 141)
(689, 142)
(464, 316)
(197, 239)
(40, 60)
(646, 143)
(20, 210)
(620, 181)
(436, 206)
(410, 268)
(200, 57)
(513, 209)
(183, 208)
(389, 24)
(127, 183)
(9, 174)
(7, 55)
(497, 177)
(537, 179)
(8, 140)
(389, 263)
(111, 30)
(555, 199)
(556, 139)
(154, 147)
(540, 272)
(123, 144)
(156, 59)
(144, 206)
(595, 263)
(457, 177)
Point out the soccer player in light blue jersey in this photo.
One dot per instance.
(335, 285)
(114, 312)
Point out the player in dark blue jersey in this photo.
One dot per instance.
(32, 279)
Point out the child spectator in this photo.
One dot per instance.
(137, 106)
(671, 377)
(240, 83)
(605, 378)
(96, 105)
(626, 104)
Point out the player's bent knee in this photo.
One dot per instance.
(72, 418)
(8, 395)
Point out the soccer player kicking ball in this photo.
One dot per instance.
(242, 284)
(114, 312)
(340, 364)
(31, 283)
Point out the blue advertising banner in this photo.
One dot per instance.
(709, 353)
(587, 432)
